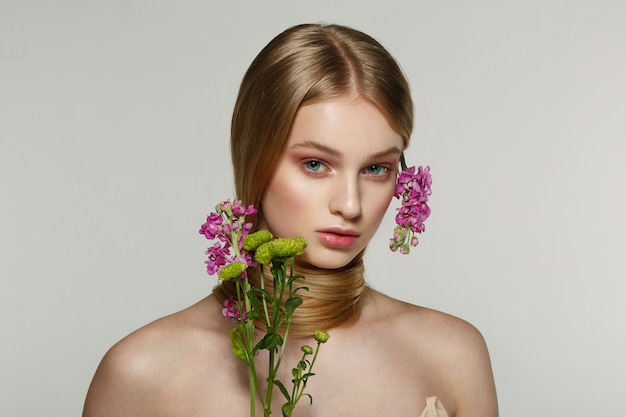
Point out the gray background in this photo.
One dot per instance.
(114, 120)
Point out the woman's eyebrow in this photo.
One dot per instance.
(320, 147)
(393, 150)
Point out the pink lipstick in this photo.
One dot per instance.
(337, 237)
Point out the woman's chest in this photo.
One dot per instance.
(339, 388)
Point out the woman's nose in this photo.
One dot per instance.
(346, 199)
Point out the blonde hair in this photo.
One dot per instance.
(305, 64)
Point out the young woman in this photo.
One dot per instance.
(322, 117)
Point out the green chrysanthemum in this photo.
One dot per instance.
(256, 239)
(232, 271)
(280, 248)
(263, 254)
(321, 336)
(286, 248)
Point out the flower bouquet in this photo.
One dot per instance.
(233, 253)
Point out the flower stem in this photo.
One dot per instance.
(402, 162)
(266, 314)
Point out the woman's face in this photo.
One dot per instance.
(334, 180)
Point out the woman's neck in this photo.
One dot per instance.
(334, 297)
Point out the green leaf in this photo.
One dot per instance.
(270, 341)
(254, 300)
(288, 409)
(282, 389)
(293, 278)
(254, 315)
(291, 304)
(261, 291)
(279, 275)
(237, 345)
(301, 288)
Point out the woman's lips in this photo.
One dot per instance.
(337, 238)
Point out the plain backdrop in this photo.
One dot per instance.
(114, 126)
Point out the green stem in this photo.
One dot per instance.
(301, 391)
(270, 384)
(252, 379)
(402, 162)
(267, 314)
(288, 325)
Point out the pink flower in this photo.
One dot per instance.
(213, 226)
(414, 189)
(240, 210)
(231, 310)
(228, 225)
(218, 257)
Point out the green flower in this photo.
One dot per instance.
(280, 248)
(307, 349)
(287, 248)
(263, 254)
(321, 336)
(256, 239)
(232, 271)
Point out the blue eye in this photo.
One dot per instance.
(313, 165)
(376, 170)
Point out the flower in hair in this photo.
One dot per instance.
(413, 187)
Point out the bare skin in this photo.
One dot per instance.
(337, 173)
(386, 364)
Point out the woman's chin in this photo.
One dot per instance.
(330, 261)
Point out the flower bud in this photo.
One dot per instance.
(263, 254)
(286, 248)
(321, 336)
(226, 207)
(256, 239)
(307, 349)
(232, 271)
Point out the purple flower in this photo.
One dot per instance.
(218, 257)
(214, 226)
(414, 189)
(240, 210)
(229, 227)
(231, 310)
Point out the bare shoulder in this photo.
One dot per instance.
(141, 369)
(420, 323)
(454, 350)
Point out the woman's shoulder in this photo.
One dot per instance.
(453, 350)
(418, 320)
(178, 333)
(436, 332)
(140, 365)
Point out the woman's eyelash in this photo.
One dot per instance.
(316, 166)
(377, 169)
(313, 165)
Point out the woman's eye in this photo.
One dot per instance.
(376, 170)
(313, 165)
